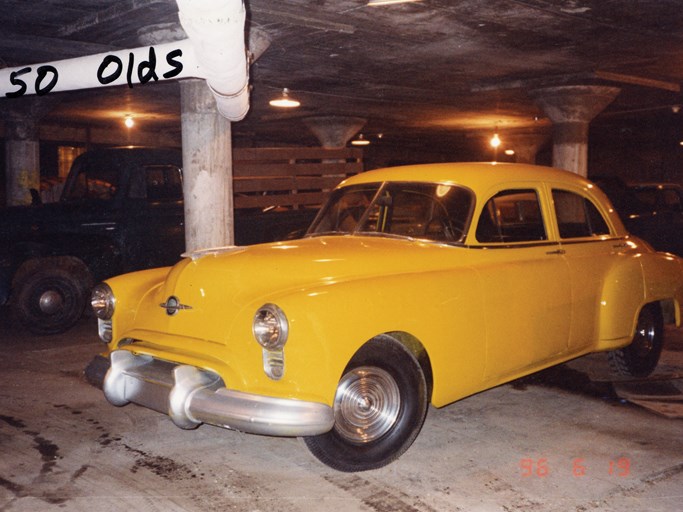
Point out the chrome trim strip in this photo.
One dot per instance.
(200, 253)
(191, 396)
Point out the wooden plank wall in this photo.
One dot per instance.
(290, 177)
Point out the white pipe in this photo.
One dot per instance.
(216, 31)
(215, 51)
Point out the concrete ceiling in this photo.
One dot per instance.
(435, 72)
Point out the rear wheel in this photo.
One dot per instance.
(640, 358)
(379, 408)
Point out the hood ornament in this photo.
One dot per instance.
(173, 305)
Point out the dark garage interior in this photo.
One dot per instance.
(590, 86)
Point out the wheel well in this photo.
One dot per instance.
(670, 311)
(69, 263)
(417, 349)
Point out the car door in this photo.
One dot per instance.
(525, 280)
(590, 249)
(155, 232)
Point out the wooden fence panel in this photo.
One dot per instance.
(290, 177)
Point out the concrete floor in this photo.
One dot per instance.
(529, 445)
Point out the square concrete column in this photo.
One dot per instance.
(207, 169)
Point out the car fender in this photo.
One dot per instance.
(636, 279)
(131, 289)
(73, 265)
(440, 310)
(663, 275)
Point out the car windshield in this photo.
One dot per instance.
(99, 182)
(428, 211)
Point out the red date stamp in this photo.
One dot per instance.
(541, 468)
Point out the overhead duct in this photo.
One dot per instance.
(216, 30)
(215, 50)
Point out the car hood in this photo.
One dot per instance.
(225, 283)
(245, 273)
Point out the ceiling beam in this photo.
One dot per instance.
(639, 80)
(120, 9)
(50, 47)
(270, 15)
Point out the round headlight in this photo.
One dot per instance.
(102, 301)
(270, 327)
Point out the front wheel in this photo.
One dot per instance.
(379, 408)
(640, 358)
(49, 300)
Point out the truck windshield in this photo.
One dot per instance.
(428, 211)
(92, 182)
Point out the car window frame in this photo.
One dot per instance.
(382, 187)
(483, 200)
(599, 205)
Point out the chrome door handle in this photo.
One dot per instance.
(558, 251)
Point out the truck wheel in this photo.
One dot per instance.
(379, 408)
(49, 300)
(640, 358)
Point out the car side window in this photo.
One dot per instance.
(577, 217)
(157, 182)
(94, 182)
(511, 216)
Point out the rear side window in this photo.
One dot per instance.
(511, 216)
(577, 217)
(157, 182)
(93, 181)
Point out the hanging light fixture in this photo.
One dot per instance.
(129, 121)
(284, 101)
(360, 141)
(495, 141)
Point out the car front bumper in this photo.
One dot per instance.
(191, 396)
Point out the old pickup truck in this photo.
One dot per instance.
(121, 210)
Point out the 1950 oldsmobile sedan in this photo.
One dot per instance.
(415, 285)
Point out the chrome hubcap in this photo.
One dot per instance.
(645, 336)
(366, 405)
(50, 302)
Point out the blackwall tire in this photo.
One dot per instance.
(380, 406)
(49, 300)
(640, 358)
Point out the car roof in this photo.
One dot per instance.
(480, 175)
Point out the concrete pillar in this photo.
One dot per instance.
(22, 155)
(525, 145)
(571, 109)
(207, 169)
(207, 149)
(334, 132)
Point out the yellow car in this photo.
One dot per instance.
(414, 285)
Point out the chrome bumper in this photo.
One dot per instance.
(191, 396)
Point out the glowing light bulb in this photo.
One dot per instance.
(284, 101)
